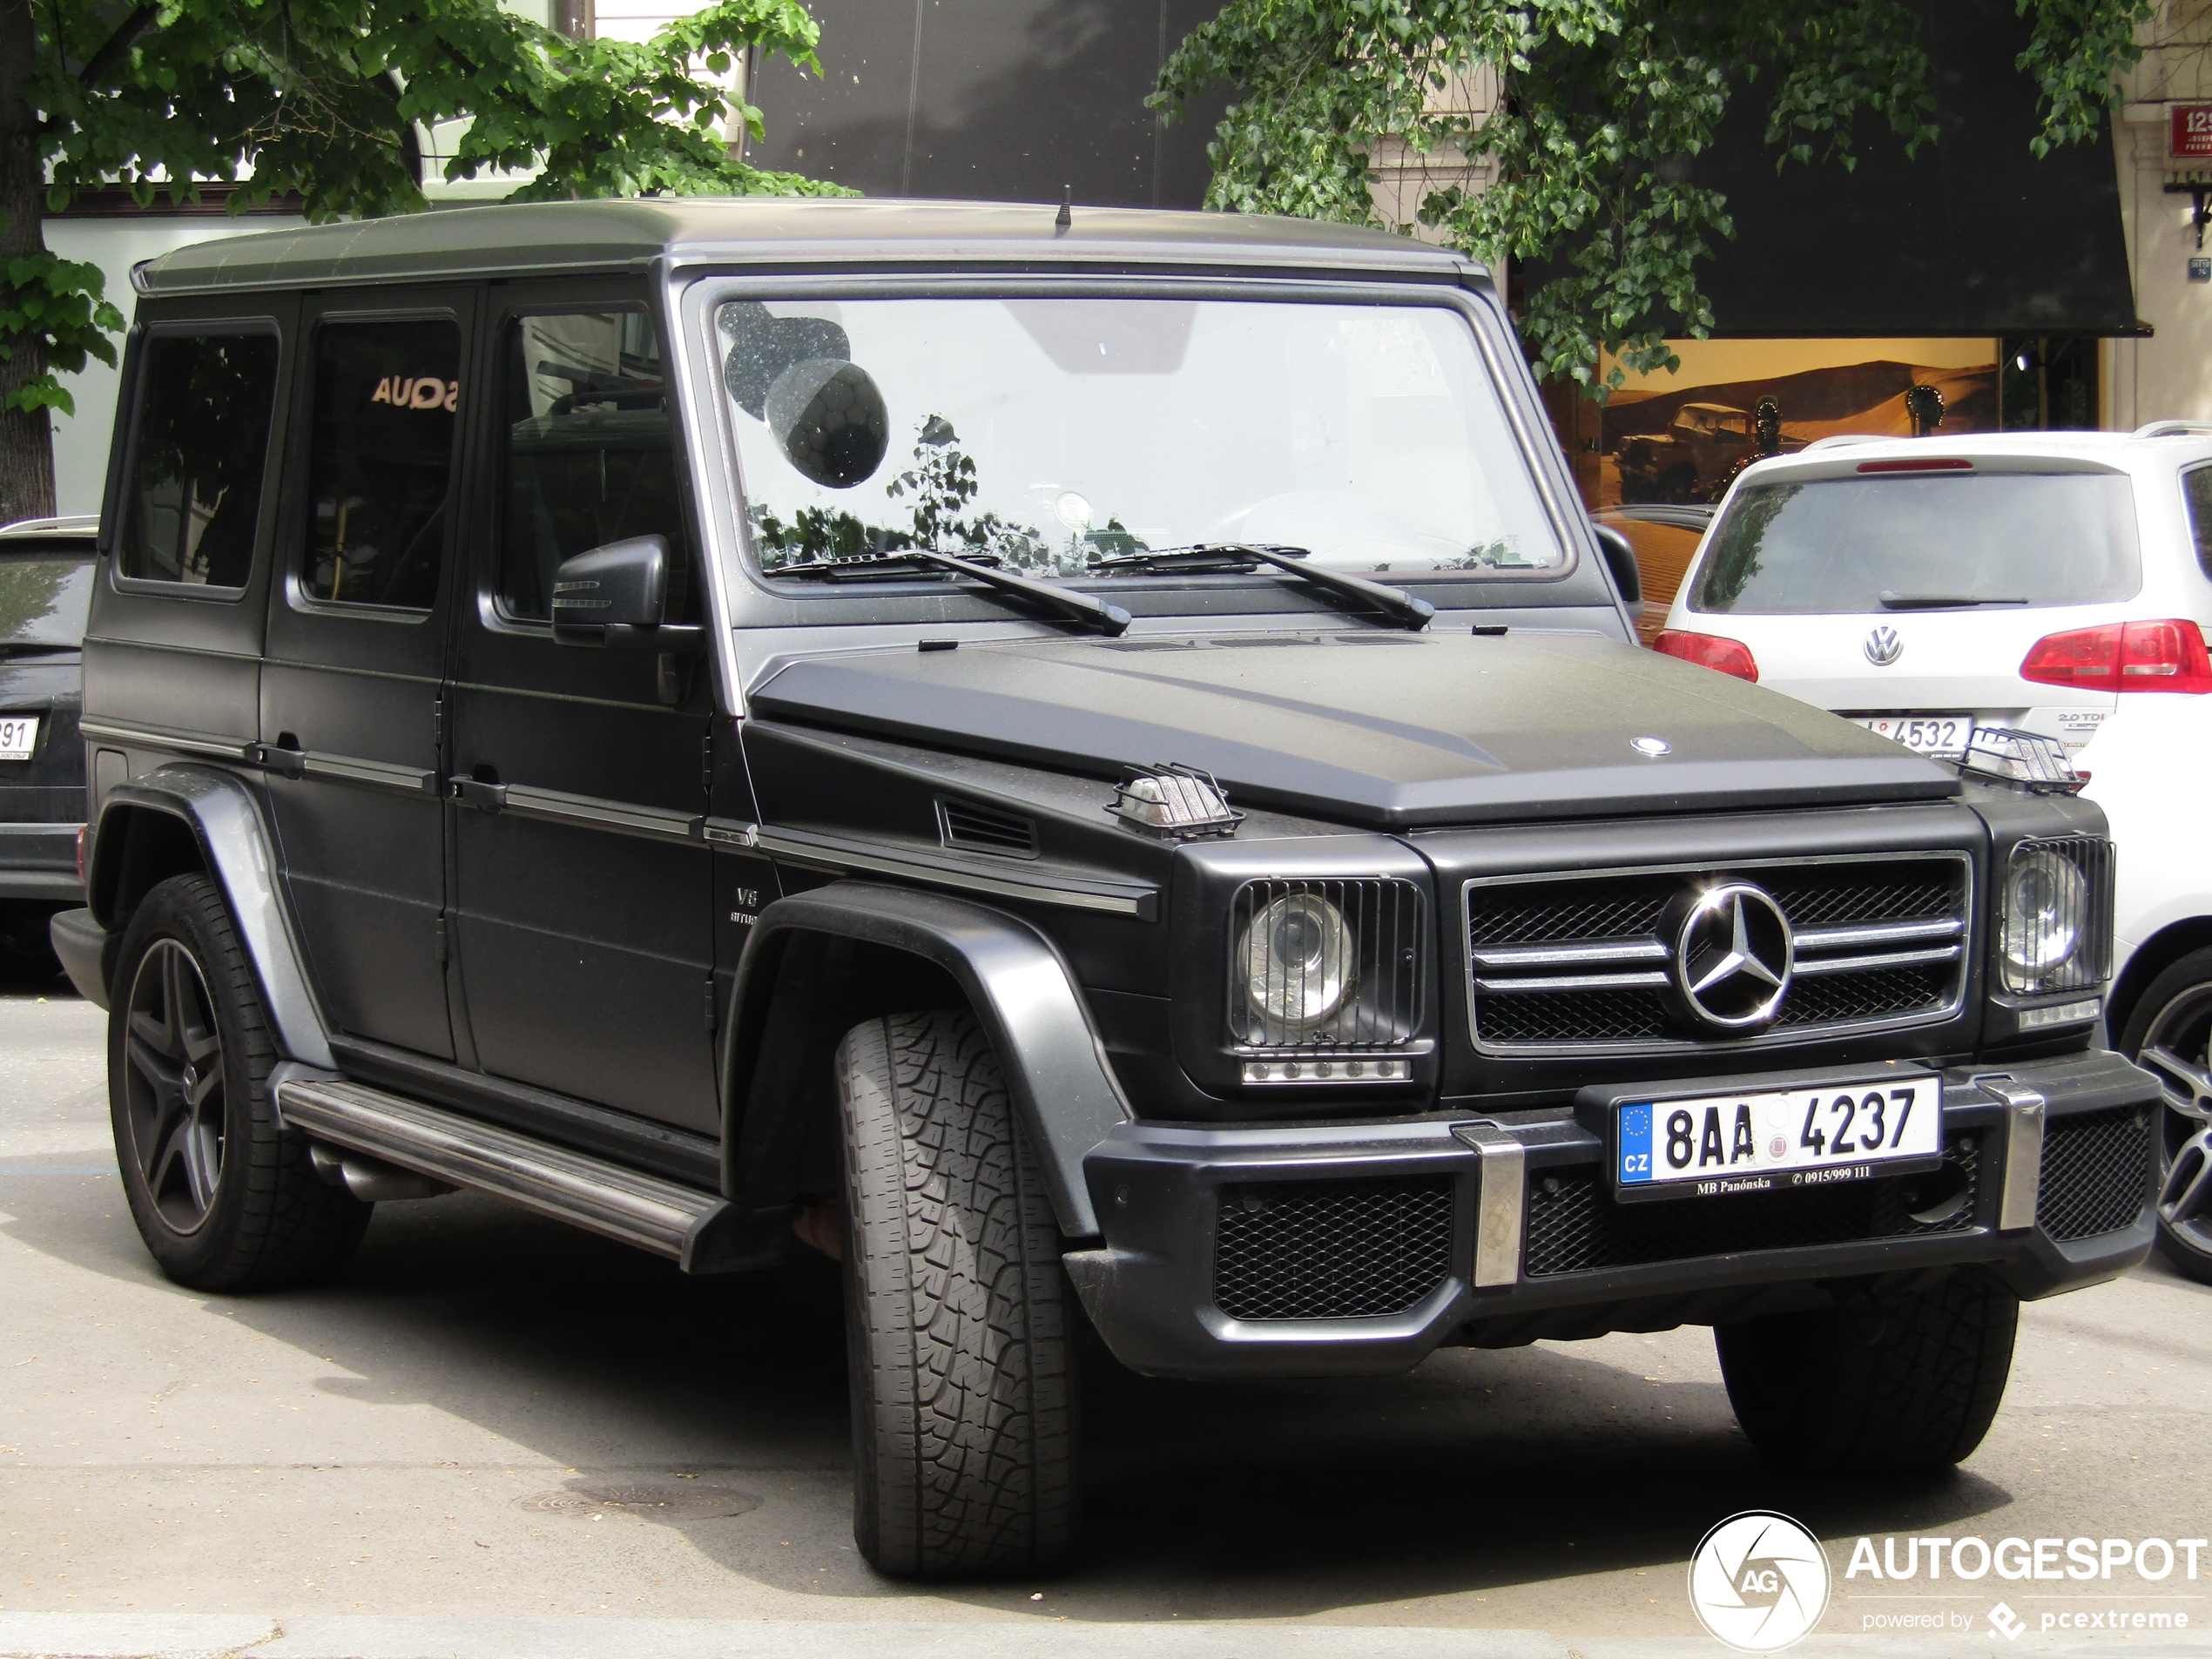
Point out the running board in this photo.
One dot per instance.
(703, 1233)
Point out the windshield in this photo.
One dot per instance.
(1841, 545)
(1050, 433)
(43, 597)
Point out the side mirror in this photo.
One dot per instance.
(618, 596)
(1620, 559)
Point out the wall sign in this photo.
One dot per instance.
(2201, 270)
(2191, 131)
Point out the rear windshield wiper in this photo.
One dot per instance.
(1063, 603)
(1940, 601)
(1219, 557)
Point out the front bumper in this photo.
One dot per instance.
(1337, 1249)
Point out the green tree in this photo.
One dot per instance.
(1603, 103)
(326, 99)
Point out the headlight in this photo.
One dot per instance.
(1298, 961)
(2046, 905)
(2056, 922)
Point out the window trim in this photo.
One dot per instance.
(2198, 537)
(296, 596)
(192, 328)
(491, 605)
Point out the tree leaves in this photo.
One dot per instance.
(1606, 105)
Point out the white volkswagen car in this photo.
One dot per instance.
(2059, 584)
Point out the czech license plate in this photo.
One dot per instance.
(1813, 1137)
(1931, 734)
(18, 735)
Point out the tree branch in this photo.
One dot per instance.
(116, 44)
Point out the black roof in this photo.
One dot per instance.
(552, 237)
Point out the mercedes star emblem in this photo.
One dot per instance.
(1884, 647)
(1733, 957)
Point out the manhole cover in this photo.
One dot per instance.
(647, 1502)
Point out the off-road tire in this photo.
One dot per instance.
(1899, 1384)
(270, 1220)
(2173, 1011)
(964, 1420)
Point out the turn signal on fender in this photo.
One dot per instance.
(1709, 651)
(2123, 657)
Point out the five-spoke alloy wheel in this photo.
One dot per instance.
(226, 1198)
(2168, 1035)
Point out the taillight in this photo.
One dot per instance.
(1709, 651)
(2123, 657)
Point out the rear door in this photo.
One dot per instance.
(351, 692)
(579, 776)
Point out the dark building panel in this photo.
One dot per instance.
(1001, 100)
(1970, 236)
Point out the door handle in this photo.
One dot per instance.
(474, 792)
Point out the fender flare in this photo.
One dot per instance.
(233, 837)
(1015, 978)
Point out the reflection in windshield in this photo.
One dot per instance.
(44, 601)
(1049, 433)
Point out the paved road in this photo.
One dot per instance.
(489, 1419)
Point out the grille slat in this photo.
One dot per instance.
(1853, 978)
(2096, 1173)
(1331, 1250)
(1574, 1225)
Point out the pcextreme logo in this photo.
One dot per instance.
(1758, 1582)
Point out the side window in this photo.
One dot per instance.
(194, 497)
(590, 448)
(2197, 486)
(381, 468)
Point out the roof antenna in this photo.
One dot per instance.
(1067, 202)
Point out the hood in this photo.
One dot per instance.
(1391, 729)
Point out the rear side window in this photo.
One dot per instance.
(386, 410)
(194, 497)
(591, 450)
(2198, 487)
(1830, 546)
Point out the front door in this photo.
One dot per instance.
(358, 628)
(583, 888)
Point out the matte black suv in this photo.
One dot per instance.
(45, 584)
(1093, 770)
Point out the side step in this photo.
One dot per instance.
(703, 1232)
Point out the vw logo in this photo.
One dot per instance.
(1733, 956)
(1884, 647)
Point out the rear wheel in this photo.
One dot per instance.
(2169, 1035)
(964, 1438)
(224, 1199)
(1902, 1383)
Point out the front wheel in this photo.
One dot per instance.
(1898, 1384)
(964, 1436)
(224, 1199)
(2171, 1036)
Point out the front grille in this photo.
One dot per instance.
(1574, 1225)
(1331, 1250)
(1584, 963)
(2096, 1173)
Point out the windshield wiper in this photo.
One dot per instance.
(1939, 601)
(1214, 557)
(1069, 606)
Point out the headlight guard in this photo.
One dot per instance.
(2055, 916)
(1326, 978)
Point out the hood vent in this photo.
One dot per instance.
(967, 828)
